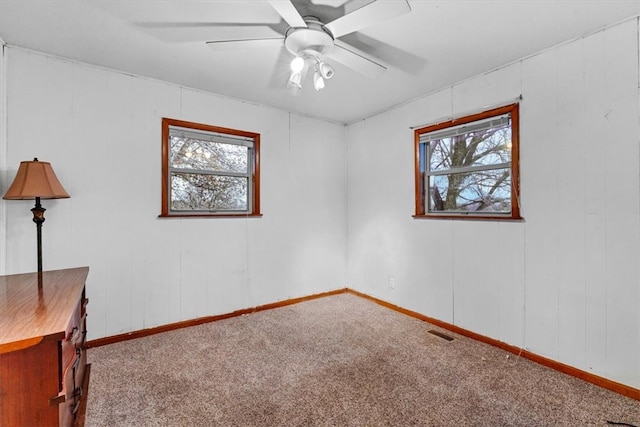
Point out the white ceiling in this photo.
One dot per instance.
(437, 44)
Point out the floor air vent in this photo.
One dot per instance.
(441, 335)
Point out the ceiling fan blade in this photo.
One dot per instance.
(180, 32)
(245, 44)
(287, 10)
(357, 60)
(368, 15)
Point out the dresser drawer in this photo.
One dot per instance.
(75, 336)
(74, 375)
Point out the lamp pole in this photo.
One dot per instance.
(38, 218)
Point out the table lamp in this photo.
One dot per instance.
(37, 180)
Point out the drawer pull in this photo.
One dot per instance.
(73, 335)
(77, 394)
(76, 363)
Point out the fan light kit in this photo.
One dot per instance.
(309, 40)
(309, 44)
(322, 72)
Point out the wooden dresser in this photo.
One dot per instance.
(42, 348)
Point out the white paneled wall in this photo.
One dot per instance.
(565, 282)
(101, 130)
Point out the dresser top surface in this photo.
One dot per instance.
(29, 313)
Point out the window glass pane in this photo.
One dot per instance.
(194, 192)
(486, 191)
(484, 147)
(197, 154)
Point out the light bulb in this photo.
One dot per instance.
(318, 81)
(297, 64)
(326, 70)
(295, 80)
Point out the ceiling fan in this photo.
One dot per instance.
(310, 40)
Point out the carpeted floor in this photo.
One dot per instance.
(334, 361)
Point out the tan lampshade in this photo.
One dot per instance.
(35, 179)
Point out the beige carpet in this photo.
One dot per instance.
(334, 361)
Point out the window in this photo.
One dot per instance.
(468, 167)
(209, 170)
